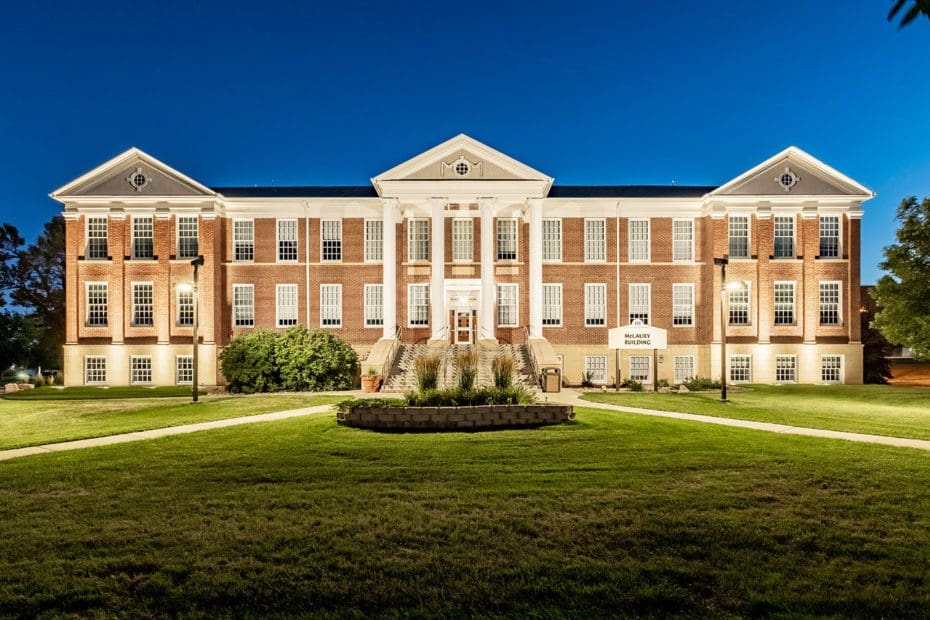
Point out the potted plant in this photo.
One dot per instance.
(371, 382)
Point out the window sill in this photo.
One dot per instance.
(85, 259)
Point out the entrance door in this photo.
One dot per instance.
(463, 327)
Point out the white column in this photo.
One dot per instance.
(438, 319)
(536, 300)
(389, 268)
(488, 288)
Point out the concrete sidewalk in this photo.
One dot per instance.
(160, 432)
(571, 397)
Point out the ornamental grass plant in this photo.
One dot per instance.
(426, 367)
(502, 367)
(466, 360)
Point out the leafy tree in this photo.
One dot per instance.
(10, 242)
(315, 360)
(875, 349)
(248, 363)
(904, 294)
(918, 7)
(18, 339)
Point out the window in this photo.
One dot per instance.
(185, 308)
(140, 369)
(738, 305)
(595, 369)
(829, 303)
(96, 238)
(552, 239)
(286, 308)
(829, 236)
(595, 305)
(740, 368)
(418, 240)
(96, 304)
(639, 368)
(184, 369)
(682, 305)
(784, 236)
(143, 247)
(552, 305)
(418, 305)
(188, 235)
(786, 368)
(243, 305)
(142, 300)
(243, 240)
(738, 232)
(595, 240)
(287, 241)
(331, 305)
(374, 240)
(374, 305)
(507, 315)
(95, 370)
(463, 241)
(682, 240)
(831, 368)
(331, 240)
(506, 239)
(639, 241)
(684, 368)
(640, 303)
(784, 303)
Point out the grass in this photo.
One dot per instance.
(875, 409)
(613, 515)
(28, 423)
(99, 393)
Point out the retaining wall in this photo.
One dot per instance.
(452, 418)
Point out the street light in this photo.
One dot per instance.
(723, 326)
(196, 263)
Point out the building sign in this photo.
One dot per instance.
(637, 337)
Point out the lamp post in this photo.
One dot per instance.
(723, 326)
(196, 263)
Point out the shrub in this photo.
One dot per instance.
(632, 384)
(367, 403)
(587, 379)
(697, 384)
(453, 397)
(467, 362)
(663, 383)
(426, 368)
(38, 380)
(314, 360)
(248, 363)
(502, 367)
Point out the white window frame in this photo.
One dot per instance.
(105, 237)
(601, 365)
(177, 370)
(643, 286)
(177, 307)
(639, 360)
(133, 237)
(338, 222)
(501, 240)
(103, 367)
(278, 314)
(678, 244)
(374, 320)
(413, 244)
(595, 249)
(337, 288)
(794, 302)
(244, 243)
(133, 304)
(679, 368)
(177, 237)
(374, 248)
(794, 235)
(741, 357)
(839, 235)
(839, 369)
(678, 308)
(516, 304)
(794, 368)
(748, 221)
(279, 239)
(250, 308)
(545, 303)
(595, 311)
(466, 243)
(87, 304)
(632, 253)
(549, 243)
(132, 370)
(425, 304)
(839, 302)
(747, 290)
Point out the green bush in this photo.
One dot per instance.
(663, 383)
(453, 397)
(502, 367)
(297, 360)
(698, 384)
(632, 384)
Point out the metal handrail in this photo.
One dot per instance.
(392, 354)
(529, 353)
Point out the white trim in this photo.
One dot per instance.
(690, 286)
(841, 370)
(86, 304)
(342, 245)
(177, 379)
(649, 368)
(277, 304)
(410, 227)
(561, 322)
(233, 304)
(794, 303)
(277, 240)
(177, 234)
(604, 379)
(365, 241)
(471, 239)
(410, 306)
(629, 239)
(690, 220)
(730, 368)
(516, 240)
(106, 370)
(366, 305)
(694, 371)
(516, 304)
(561, 238)
(748, 217)
(786, 381)
(337, 287)
(132, 360)
(132, 302)
(839, 304)
(233, 234)
(629, 302)
(584, 224)
(603, 317)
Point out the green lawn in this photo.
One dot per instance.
(876, 409)
(98, 393)
(32, 422)
(613, 515)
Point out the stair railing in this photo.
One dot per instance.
(392, 355)
(532, 356)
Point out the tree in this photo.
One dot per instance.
(10, 242)
(904, 294)
(875, 349)
(919, 7)
(18, 339)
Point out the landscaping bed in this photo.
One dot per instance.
(470, 417)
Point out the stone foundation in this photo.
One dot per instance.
(455, 418)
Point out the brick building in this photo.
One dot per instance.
(463, 244)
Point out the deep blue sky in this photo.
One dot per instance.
(333, 93)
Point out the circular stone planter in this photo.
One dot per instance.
(455, 418)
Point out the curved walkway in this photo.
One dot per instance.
(570, 397)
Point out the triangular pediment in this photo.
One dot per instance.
(133, 173)
(792, 173)
(462, 159)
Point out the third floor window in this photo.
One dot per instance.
(188, 246)
(143, 247)
(784, 236)
(96, 238)
(830, 236)
(243, 240)
(738, 233)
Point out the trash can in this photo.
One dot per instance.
(552, 380)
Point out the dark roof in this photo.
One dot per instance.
(630, 191)
(557, 191)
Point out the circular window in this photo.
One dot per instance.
(787, 179)
(462, 168)
(138, 180)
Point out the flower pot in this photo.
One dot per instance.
(371, 383)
